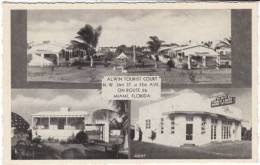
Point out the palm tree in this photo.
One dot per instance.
(87, 40)
(123, 112)
(226, 42)
(207, 44)
(154, 45)
(104, 114)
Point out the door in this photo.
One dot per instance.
(61, 123)
(213, 129)
(189, 131)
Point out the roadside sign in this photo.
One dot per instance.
(223, 100)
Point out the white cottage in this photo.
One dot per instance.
(44, 54)
(189, 119)
(194, 56)
(65, 123)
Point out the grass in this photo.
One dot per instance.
(90, 75)
(56, 150)
(223, 150)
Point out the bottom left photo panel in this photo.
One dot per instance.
(67, 124)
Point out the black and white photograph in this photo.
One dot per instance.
(130, 83)
(201, 123)
(182, 46)
(67, 124)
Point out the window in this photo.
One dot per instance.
(41, 122)
(214, 129)
(189, 118)
(76, 122)
(172, 125)
(203, 125)
(147, 124)
(226, 129)
(162, 126)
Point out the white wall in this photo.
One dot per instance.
(179, 137)
(39, 61)
(60, 134)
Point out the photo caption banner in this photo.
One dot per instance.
(131, 87)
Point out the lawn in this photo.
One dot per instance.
(224, 150)
(55, 150)
(94, 75)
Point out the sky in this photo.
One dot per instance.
(243, 100)
(130, 27)
(29, 101)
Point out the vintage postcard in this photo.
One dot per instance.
(185, 46)
(88, 82)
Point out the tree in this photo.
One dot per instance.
(122, 106)
(208, 44)
(154, 45)
(103, 114)
(226, 42)
(153, 135)
(87, 39)
(121, 48)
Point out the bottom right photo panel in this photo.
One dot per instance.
(196, 123)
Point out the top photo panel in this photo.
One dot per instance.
(182, 46)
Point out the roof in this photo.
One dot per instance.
(122, 56)
(64, 111)
(196, 50)
(47, 48)
(192, 102)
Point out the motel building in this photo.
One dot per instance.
(44, 54)
(65, 123)
(190, 119)
(193, 56)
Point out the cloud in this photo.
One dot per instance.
(27, 105)
(119, 29)
(87, 103)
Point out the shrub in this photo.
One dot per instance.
(106, 64)
(37, 140)
(81, 137)
(71, 139)
(63, 142)
(171, 64)
(192, 77)
(184, 66)
(153, 135)
(50, 139)
(29, 132)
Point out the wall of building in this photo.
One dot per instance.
(39, 61)
(178, 138)
(56, 134)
